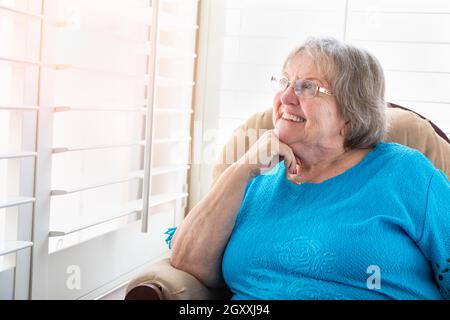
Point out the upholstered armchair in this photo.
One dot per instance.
(162, 281)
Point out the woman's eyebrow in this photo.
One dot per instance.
(285, 74)
(312, 78)
(317, 80)
(307, 77)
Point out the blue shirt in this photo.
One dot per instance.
(380, 230)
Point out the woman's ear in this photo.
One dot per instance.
(345, 129)
(276, 105)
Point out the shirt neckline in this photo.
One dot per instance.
(340, 176)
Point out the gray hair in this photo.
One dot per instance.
(356, 79)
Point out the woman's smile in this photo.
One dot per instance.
(292, 117)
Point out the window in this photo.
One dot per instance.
(91, 94)
(19, 72)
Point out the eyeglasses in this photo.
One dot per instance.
(302, 88)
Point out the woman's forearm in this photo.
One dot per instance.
(198, 244)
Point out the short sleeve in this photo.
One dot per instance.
(435, 239)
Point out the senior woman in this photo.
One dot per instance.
(344, 215)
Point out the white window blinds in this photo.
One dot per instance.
(98, 108)
(19, 51)
(19, 86)
(101, 86)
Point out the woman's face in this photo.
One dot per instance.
(323, 121)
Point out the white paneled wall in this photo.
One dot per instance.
(412, 41)
(243, 42)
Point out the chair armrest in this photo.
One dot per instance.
(161, 281)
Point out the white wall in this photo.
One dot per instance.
(243, 42)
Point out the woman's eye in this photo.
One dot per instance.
(307, 85)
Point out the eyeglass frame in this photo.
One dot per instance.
(289, 84)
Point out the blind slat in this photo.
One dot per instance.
(63, 67)
(65, 191)
(62, 233)
(85, 148)
(20, 61)
(17, 155)
(13, 246)
(133, 207)
(21, 12)
(100, 109)
(15, 201)
(19, 108)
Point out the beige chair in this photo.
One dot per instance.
(162, 281)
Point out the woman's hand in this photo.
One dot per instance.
(265, 153)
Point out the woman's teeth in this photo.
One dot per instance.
(291, 117)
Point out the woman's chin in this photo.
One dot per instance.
(285, 134)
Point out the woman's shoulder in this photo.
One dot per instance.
(403, 159)
(403, 153)
(395, 147)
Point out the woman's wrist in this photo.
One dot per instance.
(245, 169)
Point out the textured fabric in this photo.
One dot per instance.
(390, 211)
(405, 128)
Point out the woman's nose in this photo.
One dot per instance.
(289, 96)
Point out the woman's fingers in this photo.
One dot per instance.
(267, 152)
(294, 177)
(289, 157)
(285, 152)
(293, 168)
